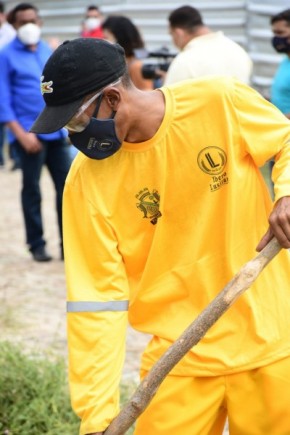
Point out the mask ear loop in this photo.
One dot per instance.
(99, 100)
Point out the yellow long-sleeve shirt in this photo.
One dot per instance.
(165, 224)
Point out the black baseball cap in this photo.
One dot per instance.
(75, 69)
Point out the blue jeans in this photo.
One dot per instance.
(14, 154)
(56, 156)
(1, 144)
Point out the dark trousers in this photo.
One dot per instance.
(14, 154)
(1, 144)
(56, 156)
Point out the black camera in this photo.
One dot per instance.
(161, 60)
(151, 70)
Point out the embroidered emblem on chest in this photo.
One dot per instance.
(148, 204)
(212, 161)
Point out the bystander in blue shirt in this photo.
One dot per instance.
(20, 104)
(20, 72)
(280, 91)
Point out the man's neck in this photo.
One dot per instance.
(149, 105)
(200, 31)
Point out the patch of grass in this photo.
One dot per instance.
(34, 396)
(7, 318)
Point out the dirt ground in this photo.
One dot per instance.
(32, 295)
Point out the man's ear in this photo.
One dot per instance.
(179, 31)
(178, 35)
(112, 97)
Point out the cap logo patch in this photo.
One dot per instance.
(46, 86)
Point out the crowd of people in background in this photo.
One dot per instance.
(200, 52)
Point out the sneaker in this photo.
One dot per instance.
(40, 254)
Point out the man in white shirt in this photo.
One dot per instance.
(203, 52)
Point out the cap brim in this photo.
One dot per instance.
(53, 118)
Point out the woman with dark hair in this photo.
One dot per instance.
(120, 29)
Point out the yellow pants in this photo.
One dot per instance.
(256, 402)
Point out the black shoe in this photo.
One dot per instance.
(15, 166)
(40, 254)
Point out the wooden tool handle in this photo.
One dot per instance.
(190, 337)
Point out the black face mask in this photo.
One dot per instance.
(98, 140)
(281, 44)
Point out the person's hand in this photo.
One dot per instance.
(96, 433)
(279, 221)
(30, 143)
(161, 74)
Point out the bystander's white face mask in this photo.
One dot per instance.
(92, 23)
(29, 34)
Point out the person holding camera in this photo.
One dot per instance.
(203, 52)
(120, 29)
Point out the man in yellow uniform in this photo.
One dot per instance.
(162, 207)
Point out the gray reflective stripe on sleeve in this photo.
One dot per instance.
(92, 307)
